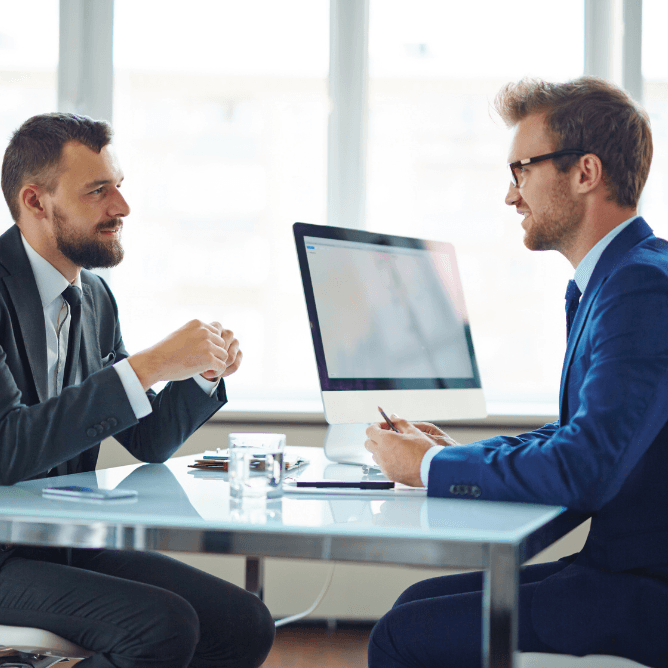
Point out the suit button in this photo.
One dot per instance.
(453, 489)
(476, 491)
(99, 428)
(112, 421)
(91, 432)
(104, 424)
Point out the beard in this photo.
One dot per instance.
(557, 223)
(86, 251)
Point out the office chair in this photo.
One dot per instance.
(536, 660)
(23, 647)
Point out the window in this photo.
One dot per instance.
(654, 203)
(437, 169)
(28, 68)
(220, 114)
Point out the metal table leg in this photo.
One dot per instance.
(500, 597)
(255, 576)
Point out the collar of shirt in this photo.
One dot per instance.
(586, 267)
(50, 282)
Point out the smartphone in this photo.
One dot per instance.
(75, 493)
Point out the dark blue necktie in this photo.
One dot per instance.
(573, 295)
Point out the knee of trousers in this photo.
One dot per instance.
(384, 646)
(256, 631)
(379, 639)
(266, 632)
(169, 635)
(409, 594)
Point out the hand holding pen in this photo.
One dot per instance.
(400, 455)
(431, 430)
(387, 419)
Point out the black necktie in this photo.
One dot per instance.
(573, 295)
(72, 296)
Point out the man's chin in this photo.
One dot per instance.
(534, 242)
(97, 256)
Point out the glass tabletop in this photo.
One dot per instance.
(174, 495)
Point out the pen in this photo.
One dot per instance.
(365, 484)
(387, 419)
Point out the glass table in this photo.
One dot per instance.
(183, 509)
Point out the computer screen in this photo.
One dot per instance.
(389, 325)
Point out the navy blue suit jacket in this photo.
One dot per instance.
(37, 433)
(606, 456)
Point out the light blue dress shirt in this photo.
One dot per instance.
(583, 273)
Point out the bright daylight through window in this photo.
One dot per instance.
(221, 113)
(223, 139)
(28, 69)
(654, 202)
(437, 170)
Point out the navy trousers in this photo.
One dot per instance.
(135, 609)
(438, 622)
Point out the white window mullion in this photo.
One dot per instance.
(85, 67)
(613, 42)
(632, 49)
(348, 80)
(600, 42)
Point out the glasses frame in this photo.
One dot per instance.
(539, 158)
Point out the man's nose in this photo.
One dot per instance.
(513, 197)
(119, 207)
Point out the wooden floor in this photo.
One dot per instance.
(302, 646)
(313, 645)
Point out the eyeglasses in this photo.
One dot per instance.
(539, 158)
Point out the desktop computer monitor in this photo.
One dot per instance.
(389, 326)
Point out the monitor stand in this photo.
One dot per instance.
(344, 443)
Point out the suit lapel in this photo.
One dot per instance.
(27, 303)
(636, 232)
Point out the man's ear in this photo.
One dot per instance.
(589, 171)
(31, 199)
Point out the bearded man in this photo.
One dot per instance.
(67, 382)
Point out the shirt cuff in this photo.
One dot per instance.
(208, 386)
(139, 402)
(426, 463)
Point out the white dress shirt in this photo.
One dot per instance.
(583, 273)
(50, 284)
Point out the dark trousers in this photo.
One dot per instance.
(438, 623)
(135, 609)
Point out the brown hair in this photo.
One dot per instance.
(33, 154)
(592, 114)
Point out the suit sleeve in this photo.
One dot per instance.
(178, 410)
(36, 438)
(617, 388)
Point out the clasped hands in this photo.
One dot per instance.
(198, 347)
(400, 455)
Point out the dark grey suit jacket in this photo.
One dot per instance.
(36, 433)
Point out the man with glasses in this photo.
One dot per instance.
(579, 159)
